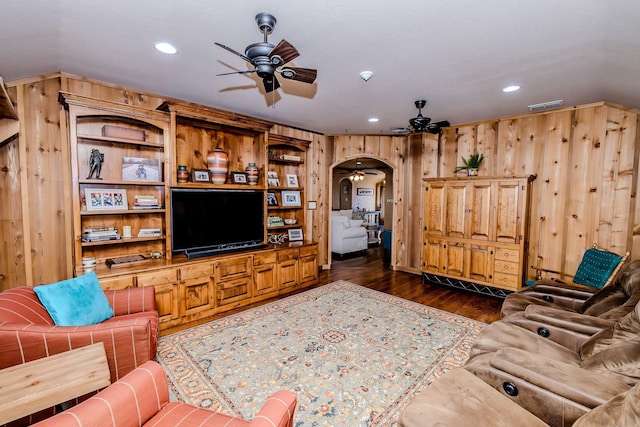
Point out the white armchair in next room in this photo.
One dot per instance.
(347, 235)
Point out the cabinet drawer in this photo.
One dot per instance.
(508, 281)
(287, 254)
(231, 268)
(196, 270)
(157, 277)
(507, 254)
(506, 267)
(115, 283)
(262, 259)
(308, 250)
(233, 290)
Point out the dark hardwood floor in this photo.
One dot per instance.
(368, 270)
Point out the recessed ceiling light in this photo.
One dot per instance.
(374, 120)
(366, 75)
(167, 48)
(511, 88)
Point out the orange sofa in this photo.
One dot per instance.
(141, 398)
(27, 331)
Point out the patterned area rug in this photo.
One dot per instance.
(353, 356)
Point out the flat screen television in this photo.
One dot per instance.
(210, 221)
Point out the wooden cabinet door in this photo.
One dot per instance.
(197, 295)
(288, 273)
(433, 256)
(479, 213)
(509, 212)
(434, 209)
(480, 263)
(456, 209)
(234, 290)
(454, 259)
(231, 268)
(264, 273)
(167, 293)
(308, 269)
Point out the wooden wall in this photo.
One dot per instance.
(586, 160)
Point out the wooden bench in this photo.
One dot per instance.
(40, 384)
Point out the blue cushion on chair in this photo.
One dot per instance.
(596, 267)
(75, 302)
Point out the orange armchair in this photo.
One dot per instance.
(141, 398)
(130, 337)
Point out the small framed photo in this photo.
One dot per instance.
(272, 199)
(292, 180)
(106, 199)
(290, 198)
(239, 177)
(200, 175)
(272, 179)
(365, 192)
(295, 234)
(141, 169)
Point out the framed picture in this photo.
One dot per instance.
(200, 175)
(141, 169)
(295, 234)
(106, 199)
(292, 180)
(272, 199)
(364, 191)
(272, 179)
(290, 198)
(239, 177)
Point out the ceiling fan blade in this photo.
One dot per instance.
(306, 75)
(270, 83)
(236, 72)
(285, 51)
(246, 58)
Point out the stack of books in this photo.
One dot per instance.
(97, 234)
(150, 232)
(146, 202)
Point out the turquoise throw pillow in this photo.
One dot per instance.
(75, 302)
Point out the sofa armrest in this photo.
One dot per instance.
(278, 410)
(132, 300)
(132, 400)
(567, 328)
(568, 320)
(128, 342)
(566, 380)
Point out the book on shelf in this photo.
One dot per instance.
(99, 229)
(149, 232)
(89, 238)
(146, 207)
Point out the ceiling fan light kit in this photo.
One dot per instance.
(267, 58)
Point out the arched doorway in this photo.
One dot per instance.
(372, 193)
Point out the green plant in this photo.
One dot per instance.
(472, 163)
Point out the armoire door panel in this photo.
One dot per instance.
(480, 225)
(434, 208)
(433, 256)
(480, 262)
(508, 219)
(454, 259)
(456, 210)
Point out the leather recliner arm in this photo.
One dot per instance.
(568, 381)
(569, 329)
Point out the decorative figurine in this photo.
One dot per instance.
(95, 163)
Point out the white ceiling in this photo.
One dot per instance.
(457, 54)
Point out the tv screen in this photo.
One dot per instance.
(209, 221)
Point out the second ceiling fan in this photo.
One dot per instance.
(268, 59)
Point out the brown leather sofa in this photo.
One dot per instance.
(610, 302)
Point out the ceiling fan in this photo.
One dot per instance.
(421, 123)
(266, 58)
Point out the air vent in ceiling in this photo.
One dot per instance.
(545, 106)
